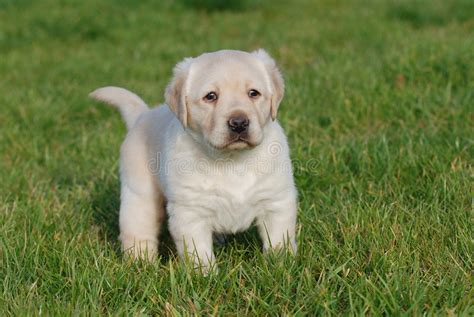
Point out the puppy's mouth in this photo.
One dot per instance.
(237, 142)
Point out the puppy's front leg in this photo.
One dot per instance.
(277, 226)
(193, 238)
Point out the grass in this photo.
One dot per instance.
(378, 111)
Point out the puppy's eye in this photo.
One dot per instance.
(254, 93)
(211, 96)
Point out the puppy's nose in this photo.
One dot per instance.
(238, 123)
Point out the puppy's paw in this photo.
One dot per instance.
(201, 265)
(143, 249)
(206, 269)
(286, 246)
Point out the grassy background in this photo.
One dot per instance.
(378, 112)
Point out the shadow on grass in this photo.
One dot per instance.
(242, 242)
(105, 203)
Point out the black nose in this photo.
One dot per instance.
(238, 123)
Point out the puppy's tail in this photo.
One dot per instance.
(130, 105)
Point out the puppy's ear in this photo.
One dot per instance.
(175, 95)
(276, 79)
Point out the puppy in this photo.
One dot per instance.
(213, 158)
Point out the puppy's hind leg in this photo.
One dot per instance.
(141, 216)
(142, 202)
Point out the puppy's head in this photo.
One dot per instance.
(226, 98)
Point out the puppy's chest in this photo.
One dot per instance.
(233, 201)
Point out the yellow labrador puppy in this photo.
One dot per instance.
(213, 157)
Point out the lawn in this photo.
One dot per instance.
(379, 115)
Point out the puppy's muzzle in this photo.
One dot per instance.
(238, 123)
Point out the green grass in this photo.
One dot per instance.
(378, 111)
